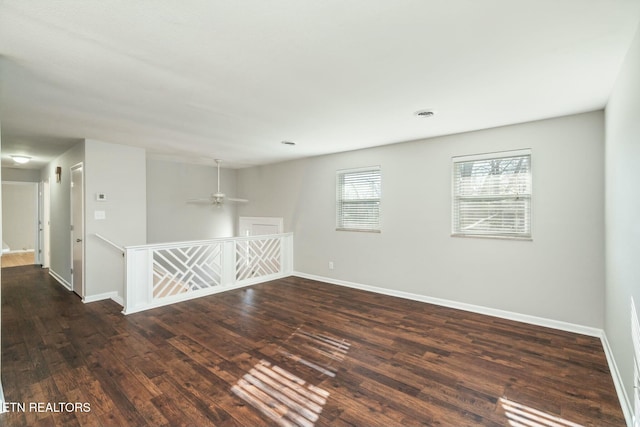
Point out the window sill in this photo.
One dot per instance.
(489, 236)
(358, 230)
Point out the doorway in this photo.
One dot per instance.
(77, 229)
(20, 223)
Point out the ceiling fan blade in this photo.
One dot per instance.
(217, 198)
(200, 201)
(218, 163)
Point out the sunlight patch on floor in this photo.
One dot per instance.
(282, 395)
(520, 415)
(315, 350)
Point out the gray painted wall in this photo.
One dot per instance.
(559, 275)
(171, 219)
(623, 212)
(19, 214)
(20, 175)
(119, 172)
(60, 235)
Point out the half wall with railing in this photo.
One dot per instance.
(167, 273)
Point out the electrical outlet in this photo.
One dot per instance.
(330, 265)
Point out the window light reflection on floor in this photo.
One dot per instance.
(520, 415)
(328, 346)
(281, 396)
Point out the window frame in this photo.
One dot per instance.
(340, 201)
(498, 234)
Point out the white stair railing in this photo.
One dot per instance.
(162, 274)
(109, 242)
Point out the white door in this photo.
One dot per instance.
(77, 230)
(636, 395)
(259, 226)
(635, 338)
(46, 224)
(39, 248)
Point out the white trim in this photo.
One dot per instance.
(493, 155)
(360, 169)
(2, 408)
(104, 239)
(101, 297)
(60, 280)
(510, 315)
(455, 211)
(203, 292)
(78, 166)
(362, 219)
(117, 298)
(22, 251)
(534, 320)
(204, 242)
(617, 381)
(246, 223)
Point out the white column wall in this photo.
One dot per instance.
(623, 213)
(119, 172)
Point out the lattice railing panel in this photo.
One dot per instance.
(161, 274)
(186, 269)
(256, 258)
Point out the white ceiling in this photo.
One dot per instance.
(203, 79)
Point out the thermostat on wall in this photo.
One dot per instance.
(101, 197)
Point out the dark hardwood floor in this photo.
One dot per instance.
(289, 352)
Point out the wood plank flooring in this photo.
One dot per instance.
(17, 259)
(289, 352)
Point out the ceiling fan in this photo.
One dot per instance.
(217, 198)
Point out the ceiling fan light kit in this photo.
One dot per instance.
(218, 198)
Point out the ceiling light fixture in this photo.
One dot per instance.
(21, 159)
(425, 113)
(288, 142)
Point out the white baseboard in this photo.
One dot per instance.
(60, 280)
(202, 293)
(20, 251)
(625, 403)
(118, 299)
(91, 298)
(549, 323)
(3, 409)
(101, 297)
(539, 321)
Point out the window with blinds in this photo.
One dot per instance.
(358, 194)
(492, 195)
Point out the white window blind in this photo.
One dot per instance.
(358, 194)
(492, 195)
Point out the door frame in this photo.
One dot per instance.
(246, 224)
(45, 256)
(73, 224)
